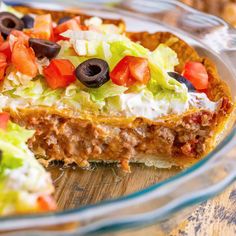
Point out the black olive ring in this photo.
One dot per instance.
(93, 73)
(28, 21)
(182, 80)
(44, 48)
(9, 22)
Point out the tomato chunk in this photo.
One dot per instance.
(46, 203)
(196, 73)
(73, 24)
(42, 28)
(139, 70)
(1, 39)
(59, 73)
(120, 74)
(23, 58)
(6, 50)
(7, 46)
(3, 65)
(131, 70)
(4, 118)
(20, 36)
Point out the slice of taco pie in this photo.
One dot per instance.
(25, 187)
(94, 92)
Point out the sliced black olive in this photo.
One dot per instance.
(93, 73)
(9, 22)
(44, 48)
(64, 19)
(28, 21)
(182, 80)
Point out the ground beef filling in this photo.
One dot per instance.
(76, 140)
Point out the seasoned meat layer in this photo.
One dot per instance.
(69, 136)
(79, 140)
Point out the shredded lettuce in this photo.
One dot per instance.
(166, 57)
(107, 90)
(12, 201)
(81, 100)
(14, 79)
(22, 178)
(67, 52)
(145, 104)
(33, 90)
(36, 92)
(160, 81)
(113, 47)
(13, 146)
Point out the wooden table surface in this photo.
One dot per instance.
(214, 217)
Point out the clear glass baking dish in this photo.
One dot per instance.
(103, 200)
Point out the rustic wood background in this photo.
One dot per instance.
(76, 187)
(215, 217)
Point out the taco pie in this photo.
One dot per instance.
(94, 92)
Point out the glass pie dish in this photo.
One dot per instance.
(103, 200)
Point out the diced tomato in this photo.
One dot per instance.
(4, 118)
(77, 18)
(1, 39)
(139, 70)
(84, 27)
(131, 70)
(6, 46)
(42, 28)
(59, 73)
(3, 65)
(196, 73)
(21, 36)
(120, 74)
(58, 37)
(72, 24)
(23, 58)
(46, 203)
(6, 50)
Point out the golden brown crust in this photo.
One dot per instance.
(132, 122)
(217, 87)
